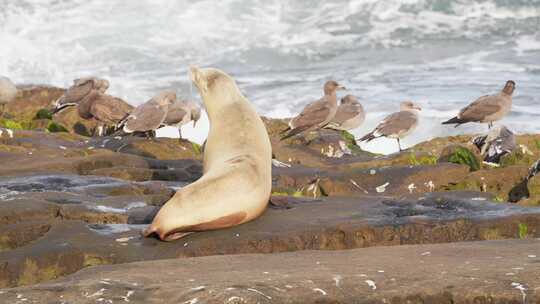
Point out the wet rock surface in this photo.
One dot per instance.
(471, 272)
(58, 232)
(70, 202)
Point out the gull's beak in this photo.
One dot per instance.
(417, 108)
(341, 87)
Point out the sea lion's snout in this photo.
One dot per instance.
(198, 78)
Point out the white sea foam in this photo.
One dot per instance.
(442, 54)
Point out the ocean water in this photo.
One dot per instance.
(440, 53)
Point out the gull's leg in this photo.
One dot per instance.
(399, 145)
(180, 134)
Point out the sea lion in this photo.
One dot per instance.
(236, 184)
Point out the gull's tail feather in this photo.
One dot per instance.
(368, 137)
(457, 121)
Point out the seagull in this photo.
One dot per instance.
(80, 89)
(396, 125)
(349, 115)
(181, 113)
(149, 116)
(497, 143)
(8, 92)
(106, 109)
(486, 109)
(316, 114)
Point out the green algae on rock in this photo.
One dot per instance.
(460, 155)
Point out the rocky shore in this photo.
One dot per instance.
(72, 208)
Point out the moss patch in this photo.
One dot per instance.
(491, 234)
(464, 157)
(523, 230)
(11, 124)
(294, 193)
(427, 160)
(54, 127)
(463, 185)
(33, 274)
(43, 114)
(90, 260)
(516, 158)
(498, 199)
(350, 142)
(196, 148)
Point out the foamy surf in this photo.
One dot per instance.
(442, 54)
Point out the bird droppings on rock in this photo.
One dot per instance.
(525, 150)
(358, 186)
(430, 185)
(324, 293)
(522, 289)
(382, 188)
(279, 164)
(124, 239)
(128, 294)
(337, 279)
(371, 284)
(478, 198)
(260, 293)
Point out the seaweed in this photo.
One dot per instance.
(464, 157)
(54, 127)
(43, 114)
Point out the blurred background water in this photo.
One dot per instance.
(441, 53)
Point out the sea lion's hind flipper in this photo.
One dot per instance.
(175, 236)
(171, 236)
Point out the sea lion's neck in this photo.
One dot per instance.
(215, 105)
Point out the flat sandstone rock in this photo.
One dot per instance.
(472, 272)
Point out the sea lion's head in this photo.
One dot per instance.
(509, 87)
(409, 106)
(331, 86)
(214, 85)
